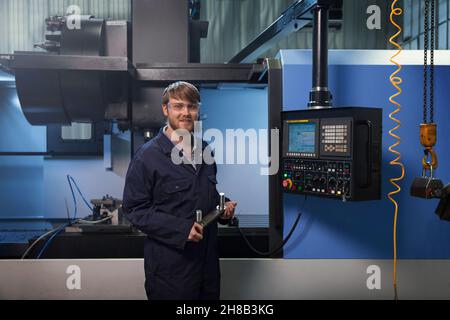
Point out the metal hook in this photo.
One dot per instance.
(430, 167)
(433, 162)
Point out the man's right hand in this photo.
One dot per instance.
(196, 233)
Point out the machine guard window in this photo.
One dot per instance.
(77, 131)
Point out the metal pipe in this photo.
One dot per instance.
(320, 96)
(320, 48)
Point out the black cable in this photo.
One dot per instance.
(58, 230)
(270, 253)
(67, 210)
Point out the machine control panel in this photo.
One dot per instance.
(335, 135)
(333, 153)
(330, 178)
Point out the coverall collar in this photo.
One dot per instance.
(164, 142)
(167, 146)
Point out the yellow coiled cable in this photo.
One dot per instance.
(396, 82)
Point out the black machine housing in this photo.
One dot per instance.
(333, 153)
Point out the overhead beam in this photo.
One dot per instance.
(294, 18)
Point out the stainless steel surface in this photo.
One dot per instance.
(241, 279)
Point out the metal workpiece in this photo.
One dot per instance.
(213, 215)
(198, 216)
(222, 201)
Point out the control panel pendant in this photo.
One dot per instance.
(334, 153)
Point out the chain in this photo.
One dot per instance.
(428, 43)
(433, 30)
(425, 60)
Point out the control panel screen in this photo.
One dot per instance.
(302, 137)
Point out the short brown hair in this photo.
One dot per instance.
(181, 90)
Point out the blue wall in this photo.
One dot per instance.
(333, 229)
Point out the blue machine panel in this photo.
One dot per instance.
(332, 229)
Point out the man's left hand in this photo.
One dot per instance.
(229, 210)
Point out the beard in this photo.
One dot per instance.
(188, 124)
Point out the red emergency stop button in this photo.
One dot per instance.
(287, 183)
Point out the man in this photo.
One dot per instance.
(161, 197)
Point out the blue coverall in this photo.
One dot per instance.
(160, 199)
